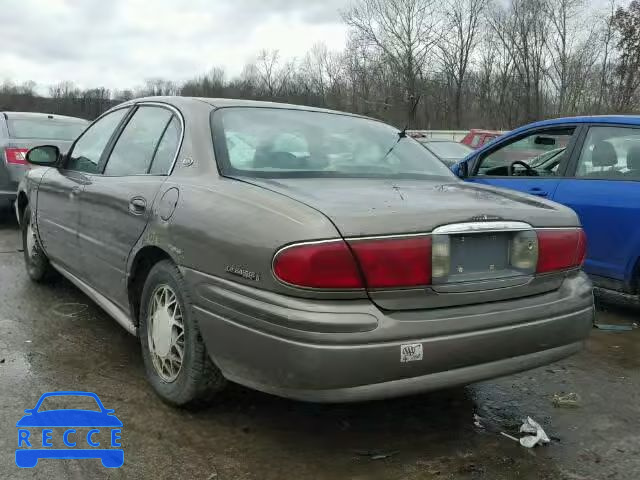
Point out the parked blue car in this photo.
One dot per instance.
(591, 164)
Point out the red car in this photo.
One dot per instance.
(476, 138)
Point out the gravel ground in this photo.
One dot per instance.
(55, 338)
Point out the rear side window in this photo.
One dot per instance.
(45, 128)
(167, 148)
(475, 141)
(134, 150)
(610, 153)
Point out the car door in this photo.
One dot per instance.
(57, 212)
(117, 201)
(604, 189)
(532, 161)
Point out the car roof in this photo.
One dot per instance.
(610, 119)
(216, 103)
(32, 115)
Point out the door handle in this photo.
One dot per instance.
(538, 191)
(137, 205)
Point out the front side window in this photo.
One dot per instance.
(134, 150)
(611, 153)
(537, 154)
(86, 153)
(270, 142)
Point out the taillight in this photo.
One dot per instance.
(16, 156)
(414, 261)
(560, 249)
(368, 263)
(328, 265)
(394, 262)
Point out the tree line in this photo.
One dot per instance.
(425, 64)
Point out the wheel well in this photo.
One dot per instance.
(145, 259)
(23, 201)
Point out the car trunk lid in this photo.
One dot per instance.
(477, 226)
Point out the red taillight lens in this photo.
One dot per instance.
(560, 249)
(394, 262)
(385, 263)
(327, 265)
(16, 156)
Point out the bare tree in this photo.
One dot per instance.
(626, 23)
(405, 31)
(607, 40)
(458, 45)
(523, 29)
(267, 72)
(561, 43)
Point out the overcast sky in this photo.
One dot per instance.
(120, 43)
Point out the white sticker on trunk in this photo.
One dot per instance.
(410, 352)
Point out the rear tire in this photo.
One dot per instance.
(36, 261)
(175, 357)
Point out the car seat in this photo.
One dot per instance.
(633, 162)
(605, 157)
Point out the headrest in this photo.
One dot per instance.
(604, 155)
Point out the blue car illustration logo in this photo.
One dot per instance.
(84, 433)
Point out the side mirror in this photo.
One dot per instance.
(29, 410)
(46, 156)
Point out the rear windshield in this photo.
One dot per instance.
(278, 143)
(47, 129)
(449, 149)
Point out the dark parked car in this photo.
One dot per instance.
(21, 131)
(447, 151)
(240, 242)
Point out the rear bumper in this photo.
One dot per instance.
(260, 343)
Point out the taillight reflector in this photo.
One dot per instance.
(16, 156)
(560, 249)
(394, 262)
(328, 265)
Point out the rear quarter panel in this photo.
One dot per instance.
(232, 230)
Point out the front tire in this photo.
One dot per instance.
(175, 357)
(36, 261)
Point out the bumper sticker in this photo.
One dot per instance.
(410, 352)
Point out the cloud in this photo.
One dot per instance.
(120, 43)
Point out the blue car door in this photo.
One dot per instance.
(603, 187)
(531, 161)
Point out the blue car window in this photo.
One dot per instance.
(541, 151)
(610, 153)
